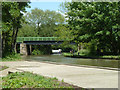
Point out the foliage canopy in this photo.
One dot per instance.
(95, 22)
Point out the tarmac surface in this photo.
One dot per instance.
(80, 76)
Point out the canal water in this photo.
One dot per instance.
(60, 59)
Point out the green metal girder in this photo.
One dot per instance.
(22, 39)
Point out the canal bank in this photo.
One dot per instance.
(60, 59)
(79, 76)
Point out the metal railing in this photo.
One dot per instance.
(22, 39)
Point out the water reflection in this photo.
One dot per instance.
(74, 61)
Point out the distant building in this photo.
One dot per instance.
(57, 51)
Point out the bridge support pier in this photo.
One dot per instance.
(23, 49)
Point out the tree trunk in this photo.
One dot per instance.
(14, 39)
(12, 44)
(4, 44)
(0, 44)
(78, 47)
(38, 29)
(114, 48)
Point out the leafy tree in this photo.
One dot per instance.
(12, 13)
(43, 23)
(27, 31)
(63, 31)
(96, 21)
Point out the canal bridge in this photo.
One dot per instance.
(40, 40)
(27, 42)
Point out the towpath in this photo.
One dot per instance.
(81, 76)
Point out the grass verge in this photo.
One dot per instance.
(30, 80)
(12, 57)
(75, 55)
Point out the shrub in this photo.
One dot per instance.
(30, 80)
(37, 52)
(83, 52)
(11, 57)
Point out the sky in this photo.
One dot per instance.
(44, 5)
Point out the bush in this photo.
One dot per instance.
(37, 52)
(83, 52)
(11, 57)
(30, 80)
(42, 50)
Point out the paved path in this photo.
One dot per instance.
(80, 76)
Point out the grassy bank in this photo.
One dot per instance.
(12, 57)
(29, 80)
(75, 55)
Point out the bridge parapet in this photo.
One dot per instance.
(22, 39)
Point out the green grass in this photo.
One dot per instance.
(111, 56)
(92, 56)
(12, 57)
(3, 68)
(30, 80)
(67, 54)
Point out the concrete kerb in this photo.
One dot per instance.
(8, 70)
(87, 66)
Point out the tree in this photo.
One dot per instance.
(0, 30)
(63, 31)
(12, 13)
(96, 21)
(43, 23)
(27, 31)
